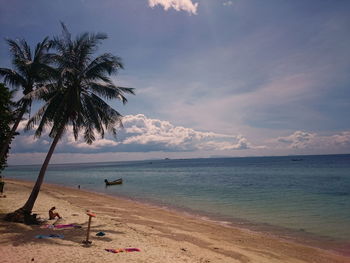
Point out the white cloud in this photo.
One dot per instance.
(308, 140)
(178, 5)
(140, 134)
(98, 144)
(227, 3)
(342, 139)
(150, 136)
(146, 138)
(298, 139)
(140, 130)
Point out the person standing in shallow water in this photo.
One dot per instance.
(53, 214)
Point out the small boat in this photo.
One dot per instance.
(118, 181)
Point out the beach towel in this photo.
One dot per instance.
(67, 226)
(119, 250)
(49, 236)
(61, 226)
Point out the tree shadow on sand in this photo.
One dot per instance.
(19, 234)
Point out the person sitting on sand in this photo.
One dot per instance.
(53, 214)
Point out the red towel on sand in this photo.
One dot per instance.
(119, 250)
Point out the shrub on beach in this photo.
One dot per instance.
(6, 117)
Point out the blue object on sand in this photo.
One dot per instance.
(100, 234)
(49, 236)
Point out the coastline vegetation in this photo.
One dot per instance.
(6, 118)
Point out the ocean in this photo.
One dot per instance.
(290, 195)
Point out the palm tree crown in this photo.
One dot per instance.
(29, 67)
(75, 97)
(31, 70)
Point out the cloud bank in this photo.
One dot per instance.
(162, 135)
(140, 134)
(144, 137)
(178, 5)
(308, 140)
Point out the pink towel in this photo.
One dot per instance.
(119, 250)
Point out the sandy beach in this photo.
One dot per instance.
(161, 235)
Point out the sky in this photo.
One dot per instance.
(213, 78)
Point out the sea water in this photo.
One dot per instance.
(307, 194)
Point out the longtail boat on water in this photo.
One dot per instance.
(118, 181)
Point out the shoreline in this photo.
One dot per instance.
(186, 238)
(337, 246)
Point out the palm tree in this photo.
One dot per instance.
(30, 70)
(74, 100)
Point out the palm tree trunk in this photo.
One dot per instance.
(23, 214)
(7, 142)
(28, 206)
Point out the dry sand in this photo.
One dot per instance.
(162, 235)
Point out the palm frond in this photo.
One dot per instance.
(16, 49)
(40, 51)
(58, 113)
(26, 50)
(109, 116)
(110, 91)
(12, 78)
(66, 36)
(106, 63)
(36, 118)
(44, 92)
(91, 115)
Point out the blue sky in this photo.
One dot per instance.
(212, 77)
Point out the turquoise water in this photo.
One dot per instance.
(307, 194)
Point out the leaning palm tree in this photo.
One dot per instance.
(31, 69)
(74, 100)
